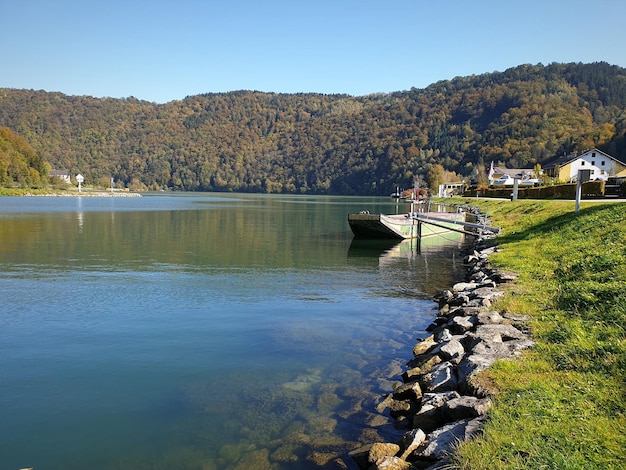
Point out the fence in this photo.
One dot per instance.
(590, 189)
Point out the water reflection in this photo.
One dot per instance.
(411, 267)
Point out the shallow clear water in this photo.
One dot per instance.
(202, 330)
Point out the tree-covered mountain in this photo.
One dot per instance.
(20, 165)
(314, 143)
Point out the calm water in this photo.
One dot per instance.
(204, 331)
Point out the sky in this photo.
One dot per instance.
(163, 50)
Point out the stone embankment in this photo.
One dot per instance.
(442, 400)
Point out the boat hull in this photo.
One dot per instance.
(401, 226)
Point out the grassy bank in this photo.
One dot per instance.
(562, 405)
(25, 192)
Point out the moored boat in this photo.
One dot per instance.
(402, 226)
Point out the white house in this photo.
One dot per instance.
(506, 176)
(62, 174)
(601, 165)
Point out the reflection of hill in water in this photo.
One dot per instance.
(244, 236)
(411, 267)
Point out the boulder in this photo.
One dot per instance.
(506, 332)
(459, 299)
(439, 399)
(420, 367)
(488, 293)
(392, 463)
(360, 455)
(451, 350)
(424, 346)
(384, 403)
(442, 335)
(460, 325)
(408, 391)
(502, 278)
(488, 318)
(402, 408)
(410, 442)
(463, 286)
(430, 416)
(440, 442)
(516, 317)
(380, 450)
(440, 379)
(465, 407)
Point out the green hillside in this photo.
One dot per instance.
(339, 144)
(20, 165)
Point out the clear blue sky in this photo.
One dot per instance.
(161, 50)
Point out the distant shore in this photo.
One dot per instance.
(88, 193)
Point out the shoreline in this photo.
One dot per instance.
(85, 194)
(442, 400)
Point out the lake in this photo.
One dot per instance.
(203, 330)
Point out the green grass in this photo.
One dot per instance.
(562, 404)
(26, 192)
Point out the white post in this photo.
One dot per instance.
(79, 180)
(515, 189)
(579, 189)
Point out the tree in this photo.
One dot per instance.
(435, 177)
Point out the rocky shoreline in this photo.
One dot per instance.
(442, 400)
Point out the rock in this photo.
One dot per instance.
(502, 278)
(467, 311)
(488, 282)
(376, 420)
(424, 346)
(506, 332)
(450, 350)
(419, 368)
(459, 299)
(516, 318)
(438, 399)
(380, 450)
(408, 391)
(442, 335)
(471, 258)
(465, 407)
(385, 403)
(463, 286)
(490, 317)
(478, 276)
(258, 459)
(478, 303)
(402, 407)
(442, 378)
(285, 453)
(410, 442)
(460, 325)
(445, 297)
(360, 455)
(428, 418)
(488, 293)
(430, 415)
(440, 442)
(485, 252)
(392, 463)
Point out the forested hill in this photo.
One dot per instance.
(314, 143)
(20, 165)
